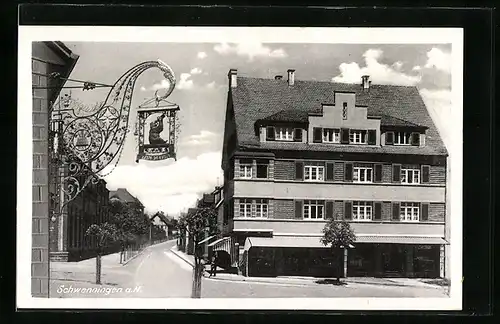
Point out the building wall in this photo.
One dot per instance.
(345, 191)
(43, 61)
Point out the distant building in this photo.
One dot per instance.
(126, 197)
(46, 58)
(298, 153)
(163, 222)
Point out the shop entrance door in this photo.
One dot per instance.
(393, 260)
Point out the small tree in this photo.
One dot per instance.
(104, 234)
(195, 224)
(338, 235)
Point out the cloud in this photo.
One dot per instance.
(211, 85)
(184, 82)
(438, 104)
(164, 84)
(196, 71)
(439, 60)
(202, 55)
(379, 73)
(398, 65)
(417, 68)
(143, 88)
(203, 138)
(167, 185)
(251, 49)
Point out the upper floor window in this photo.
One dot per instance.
(245, 208)
(262, 169)
(410, 175)
(313, 209)
(362, 210)
(331, 135)
(314, 172)
(261, 207)
(246, 169)
(409, 212)
(402, 138)
(362, 173)
(357, 136)
(283, 133)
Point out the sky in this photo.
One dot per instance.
(201, 92)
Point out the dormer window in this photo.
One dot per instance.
(402, 138)
(283, 133)
(358, 136)
(331, 135)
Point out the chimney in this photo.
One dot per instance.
(278, 77)
(365, 83)
(232, 76)
(291, 77)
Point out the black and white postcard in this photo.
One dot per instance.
(240, 168)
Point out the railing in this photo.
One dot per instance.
(133, 250)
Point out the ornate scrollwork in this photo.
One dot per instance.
(90, 143)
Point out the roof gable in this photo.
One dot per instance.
(257, 99)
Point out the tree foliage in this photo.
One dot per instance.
(338, 234)
(104, 233)
(129, 221)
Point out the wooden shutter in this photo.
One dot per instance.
(329, 172)
(270, 133)
(299, 170)
(389, 138)
(396, 173)
(344, 136)
(299, 206)
(395, 211)
(415, 139)
(297, 135)
(317, 135)
(372, 137)
(426, 169)
(377, 213)
(348, 210)
(378, 172)
(348, 172)
(424, 212)
(329, 210)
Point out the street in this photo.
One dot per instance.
(159, 273)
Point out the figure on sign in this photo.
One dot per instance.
(155, 129)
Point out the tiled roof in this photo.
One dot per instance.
(123, 195)
(289, 115)
(254, 99)
(386, 120)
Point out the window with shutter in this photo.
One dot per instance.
(348, 172)
(389, 138)
(347, 210)
(344, 136)
(270, 133)
(378, 172)
(415, 139)
(424, 212)
(317, 135)
(396, 173)
(372, 137)
(329, 210)
(426, 173)
(329, 172)
(298, 209)
(297, 135)
(299, 171)
(395, 211)
(378, 211)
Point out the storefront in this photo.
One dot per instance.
(394, 260)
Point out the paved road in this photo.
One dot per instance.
(161, 273)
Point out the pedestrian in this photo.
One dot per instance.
(213, 265)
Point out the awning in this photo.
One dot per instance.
(284, 241)
(250, 230)
(206, 239)
(219, 241)
(400, 239)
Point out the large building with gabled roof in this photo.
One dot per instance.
(297, 153)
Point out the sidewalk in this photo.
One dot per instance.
(308, 281)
